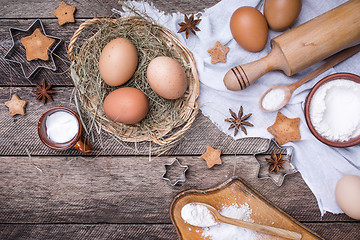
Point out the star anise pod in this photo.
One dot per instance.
(239, 121)
(275, 162)
(44, 92)
(189, 25)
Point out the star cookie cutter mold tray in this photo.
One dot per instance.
(17, 52)
(172, 174)
(287, 153)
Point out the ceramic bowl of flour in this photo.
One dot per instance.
(59, 128)
(332, 110)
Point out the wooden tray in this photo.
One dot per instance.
(234, 190)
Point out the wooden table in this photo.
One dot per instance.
(114, 193)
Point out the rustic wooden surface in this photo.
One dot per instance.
(115, 193)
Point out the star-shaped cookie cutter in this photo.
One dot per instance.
(263, 169)
(17, 52)
(165, 177)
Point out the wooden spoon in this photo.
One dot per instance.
(279, 232)
(289, 89)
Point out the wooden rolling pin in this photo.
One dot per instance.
(303, 46)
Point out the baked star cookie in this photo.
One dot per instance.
(37, 45)
(218, 53)
(65, 13)
(16, 105)
(212, 156)
(285, 129)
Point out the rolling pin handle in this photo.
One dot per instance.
(242, 76)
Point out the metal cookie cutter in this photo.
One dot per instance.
(263, 169)
(17, 52)
(172, 165)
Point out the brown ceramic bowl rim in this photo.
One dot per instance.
(72, 142)
(348, 76)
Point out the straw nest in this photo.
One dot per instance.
(167, 119)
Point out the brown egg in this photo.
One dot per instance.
(347, 194)
(167, 77)
(281, 14)
(126, 105)
(118, 61)
(249, 28)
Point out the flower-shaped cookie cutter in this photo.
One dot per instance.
(263, 169)
(172, 165)
(17, 52)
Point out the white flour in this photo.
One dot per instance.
(273, 99)
(197, 215)
(335, 110)
(220, 231)
(61, 127)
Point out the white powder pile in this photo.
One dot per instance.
(223, 231)
(273, 99)
(335, 110)
(197, 215)
(200, 216)
(61, 126)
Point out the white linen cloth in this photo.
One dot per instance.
(321, 166)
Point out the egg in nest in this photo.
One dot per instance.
(167, 77)
(126, 105)
(118, 61)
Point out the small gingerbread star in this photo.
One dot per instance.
(218, 53)
(285, 129)
(212, 156)
(16, 105)
(65, 13)
(37, 45)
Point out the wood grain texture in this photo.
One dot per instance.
(336, 231)
(20, 132)
(330, 231)
(40, 9)
(128, 189)
(87, 231)
(91, 8)
(59, 195)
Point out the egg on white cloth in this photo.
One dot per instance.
(249, 28)
(347, 194)
(281, 14)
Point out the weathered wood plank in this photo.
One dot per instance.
(90, 8)
(127, 189)
(20, 132)
(330, 231)
(87, 231)
(41, 9)
(336, 231)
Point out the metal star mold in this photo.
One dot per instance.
(17, 52)
(175, 172)
(288, 168)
